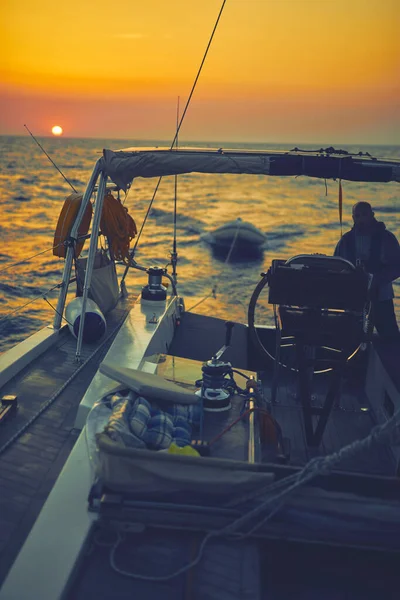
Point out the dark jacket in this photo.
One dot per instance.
(383, 260)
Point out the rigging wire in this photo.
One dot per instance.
(21, 262)
(198, 73)
(56, 311)
(38, 297)
(132, 254)
(50, 159)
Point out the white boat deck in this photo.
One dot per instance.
(52, 549)
(130, 346)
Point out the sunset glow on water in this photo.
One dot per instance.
(298, 215)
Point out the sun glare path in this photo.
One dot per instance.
(56, 130)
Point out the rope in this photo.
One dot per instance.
(214, 290)
(239, 224)
(247, 412)
(323, 465)
(213, 293)
(118, 227)
(317, 466)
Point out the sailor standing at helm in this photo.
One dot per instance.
(370, 244)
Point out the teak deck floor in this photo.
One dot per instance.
(30, 465)
(346, 424)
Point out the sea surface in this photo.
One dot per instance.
(298, 215)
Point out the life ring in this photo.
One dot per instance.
(65, 222)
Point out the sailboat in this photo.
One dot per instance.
(208, 458)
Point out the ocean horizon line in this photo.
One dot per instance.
(202, 143)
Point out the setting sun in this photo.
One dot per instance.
(56, 130)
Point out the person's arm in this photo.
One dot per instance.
(391, 260)
(340, 249)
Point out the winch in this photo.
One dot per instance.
(154, 290)
(213, 389)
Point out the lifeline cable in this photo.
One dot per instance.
(38, 297)
(21, 262)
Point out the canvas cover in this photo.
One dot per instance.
(104, 289)
(145, 473)
(123, 166)
(149, 385)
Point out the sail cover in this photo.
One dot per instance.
(125, 165)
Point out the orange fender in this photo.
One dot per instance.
(66, 220)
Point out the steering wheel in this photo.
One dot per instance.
(263, 350)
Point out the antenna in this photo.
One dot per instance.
(174, 254)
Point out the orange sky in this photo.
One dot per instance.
(323, 71)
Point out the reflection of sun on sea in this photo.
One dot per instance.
(56, 130)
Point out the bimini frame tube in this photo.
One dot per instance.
(91, 256)
(254, 431)
(70, 250)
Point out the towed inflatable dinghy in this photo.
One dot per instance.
(241, 238)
